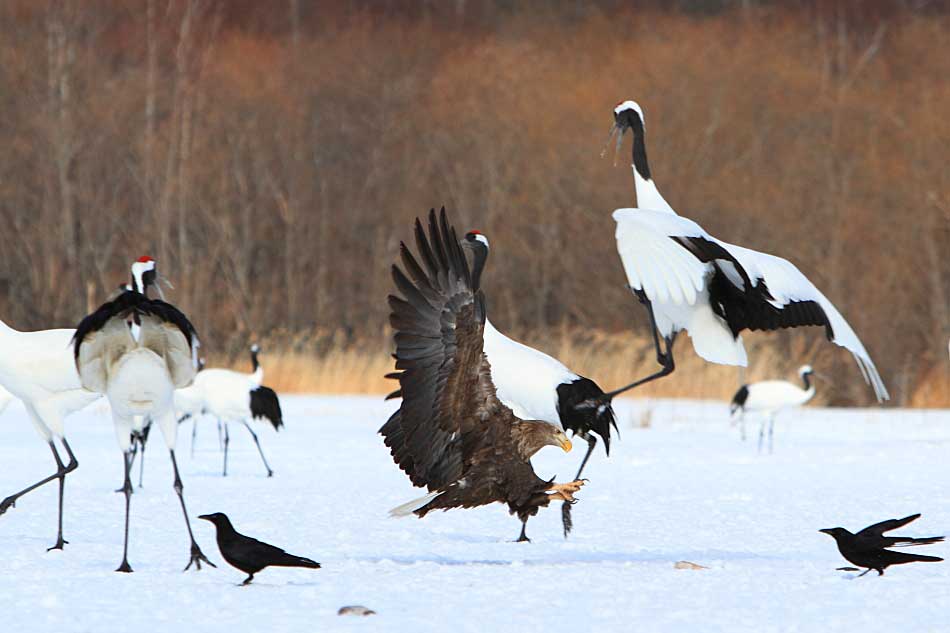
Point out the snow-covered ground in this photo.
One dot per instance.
(679, 485)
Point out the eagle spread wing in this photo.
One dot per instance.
(444, 379)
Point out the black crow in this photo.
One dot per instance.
(248, 554)
(866, 548)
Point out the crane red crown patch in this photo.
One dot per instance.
(145, 259)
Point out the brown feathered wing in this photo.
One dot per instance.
(450, 424)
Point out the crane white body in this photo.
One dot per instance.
(37, 367)
(5, 399)
(228, 396)
(526, 379)
(139, 377)
(227, 393)
(139, 373)
(189, 401)
(768, 398)
(772, 396)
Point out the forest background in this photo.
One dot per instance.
(272, 155)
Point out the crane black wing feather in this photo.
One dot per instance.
(130, 303)
(750, 307)
(266, 405)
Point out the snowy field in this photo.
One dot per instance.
(679, 485)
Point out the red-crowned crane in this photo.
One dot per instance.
(689, 280)
(769, 397)
(234, 396)
(139, 374)
(37, 368)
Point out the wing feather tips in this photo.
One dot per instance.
(872, 377)
(266, 405)
(435, 291)
(425, 251)
(437, 245)
(410, 507)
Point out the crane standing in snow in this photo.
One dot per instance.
(139, 374)
(37, 368)
(769, 397)
(233, 396)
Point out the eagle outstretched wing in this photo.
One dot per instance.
(444, 378)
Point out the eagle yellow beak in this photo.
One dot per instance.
(566, 444)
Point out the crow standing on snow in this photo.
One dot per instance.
(866, 548)
(248, 554)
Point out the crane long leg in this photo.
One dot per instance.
(761, 432)
(134, 444)
(127, 489)
(270, 473)
(60, 474)
(68, 468)
(197, 556)
(143, 438)
(227, 440)
(591, 443)
(663, 357)
(566, 520)
(771, 431)
(194, 431)
(220, 437)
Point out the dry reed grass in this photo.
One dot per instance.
(933, 390)
(330, 363)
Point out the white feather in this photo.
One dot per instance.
(525, 379)
(38, 368)
(226, 393)
(773, 395)
(409, 507)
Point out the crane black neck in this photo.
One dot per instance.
(806, 379)
(640, 149)
(480, 257)
(254, 362)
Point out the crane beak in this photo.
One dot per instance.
(159, 281)
(615, 130)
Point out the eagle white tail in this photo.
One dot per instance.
(411, 506)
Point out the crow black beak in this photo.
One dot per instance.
(827, 531)
(206, 517)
